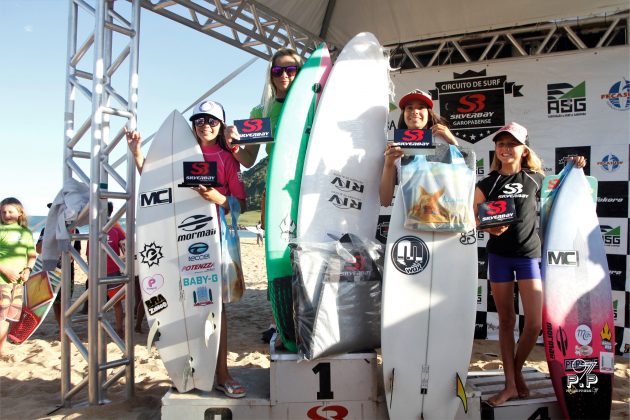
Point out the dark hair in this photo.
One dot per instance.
(434, 118)
(220, 137)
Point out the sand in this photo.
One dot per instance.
(30, 378)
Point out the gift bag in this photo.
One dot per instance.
(438, 192)
(232, 280)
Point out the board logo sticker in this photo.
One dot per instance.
(198, 267)
(287, 228)
(151, 254)
(468, 238)
(345, 184)
(345, 202)
(410, 255)
(195, 225)
(198, 248)
(320, 412)
(582, 379)
(152, 284)
(583, 335)
(564, 258)
(562, 340)
(156, 197)
(202, 296)
(606, 336)
(200, 280)
(156, 304)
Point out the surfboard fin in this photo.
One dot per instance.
(461, 392)
(188, 372)
(152, 331)
(210, 327)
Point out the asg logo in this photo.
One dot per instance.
(475, 102)
(198, 248)
(565, 100)
(480, 167)
(156, 197)
(410, 255)
(618, 96)
(512, 189)
(151, 254)
(347, 185)
(345, 203)
(610, 163)
(194, 223)
(566, 258)
(611, 236)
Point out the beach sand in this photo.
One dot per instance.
(30, 378)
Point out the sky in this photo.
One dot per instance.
(177, 65)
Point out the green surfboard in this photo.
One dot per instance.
(283, 185)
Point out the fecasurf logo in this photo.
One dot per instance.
(410, 255)
(566, 100)
(611, 236)
(610, 163)
(474, 103)
(618, 96)
(565, 258)
(156, 197)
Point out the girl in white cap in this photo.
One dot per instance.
(514, 250)
(416, 113)
(208, 124)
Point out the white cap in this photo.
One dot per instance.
(208, 108)
(516, 130)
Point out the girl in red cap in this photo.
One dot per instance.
(416, 113)
(514, 250)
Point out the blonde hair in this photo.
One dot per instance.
(269, 91)
(530, 161)
(12, 201)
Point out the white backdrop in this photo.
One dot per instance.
(574, 103)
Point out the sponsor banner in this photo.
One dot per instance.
(481, 326)
(482, 295)
(563, 152)
(548, 157)
(618, 95)
(566, 99)
(612, 199)
(610, 162)
(617, 267)
(482, 239)
(614, 234)
(482, 262)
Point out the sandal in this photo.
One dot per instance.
(232, 389)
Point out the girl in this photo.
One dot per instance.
(208, 124)
(416, 113)
(285, 65)
(516, 172)
(17, 257)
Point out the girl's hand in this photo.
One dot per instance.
(14, 276)
(134, 141)
(440, 130)
(392, 154)
(497, 230)
(231, 133)
(211, 194)
(578, 161)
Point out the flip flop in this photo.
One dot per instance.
(230, 388)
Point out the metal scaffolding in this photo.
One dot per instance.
(101, 99)
(524, 41)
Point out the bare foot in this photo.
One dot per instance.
(503, 396)
(521, 386)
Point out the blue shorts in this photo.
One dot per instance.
(502, 269)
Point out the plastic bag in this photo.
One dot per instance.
(438, 192)
(337, 296)
(232, 280)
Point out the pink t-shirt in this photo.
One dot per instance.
(228, 171)
(115, 235)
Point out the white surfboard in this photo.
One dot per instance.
(428, 319)
(344, 160)
(177, 241)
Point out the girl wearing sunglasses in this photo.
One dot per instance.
(285, 64)
(208, 126)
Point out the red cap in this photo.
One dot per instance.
(516, 130)
(416, 95)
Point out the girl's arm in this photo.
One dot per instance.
(440, 130)
(245, 155)
(134, 141)
(388, 177)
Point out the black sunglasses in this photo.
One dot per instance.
(206, 119)
(276, 71)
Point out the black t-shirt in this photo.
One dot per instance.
(521, 238)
